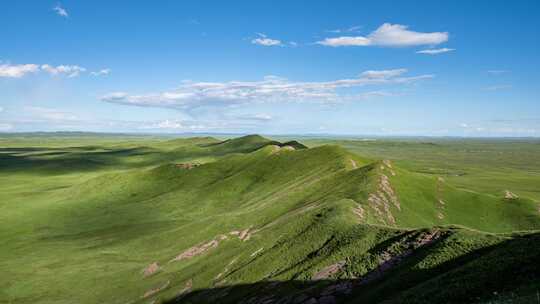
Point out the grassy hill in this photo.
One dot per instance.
(250, 220)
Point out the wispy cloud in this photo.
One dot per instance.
(101, 72)
(255, 117)
(352, 29)
(383, 74)
(18, 70)
(265, 41)
(69, 70)
(60, 11)
(173, 124)
(435, 51)
(392, 35)
(273, 89)
(54, 119)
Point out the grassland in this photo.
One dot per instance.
(136, 219)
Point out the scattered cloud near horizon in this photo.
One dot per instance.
(390, 35)
(435, 51)
(191, 95)
(20, 70)
(55, 119)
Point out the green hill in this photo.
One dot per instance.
(253, 220)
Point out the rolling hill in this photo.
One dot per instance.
(253, 220)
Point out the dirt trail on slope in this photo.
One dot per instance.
(381, 200)
(196, 250)
(387, 165)
(243, 235)
(328, 271)
(154, 291)
(151, 269)
(187, 166)
(509, 195)
(441, 204)
(359, 210)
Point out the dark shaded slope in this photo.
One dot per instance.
(506, 271)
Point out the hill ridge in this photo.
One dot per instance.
(207, 220)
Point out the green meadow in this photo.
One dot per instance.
(93, 218)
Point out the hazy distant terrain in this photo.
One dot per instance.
(88, 218)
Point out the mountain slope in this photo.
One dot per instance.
(311, 223)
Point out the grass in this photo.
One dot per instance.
(81, 217)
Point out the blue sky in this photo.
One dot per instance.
(441, 68)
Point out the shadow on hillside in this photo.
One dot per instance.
(508, 272)
(71, 159)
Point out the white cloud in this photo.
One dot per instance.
(101, 72)
(265, 41)
(393, 35)
(254, 117)
(60, 11)
(383, 73)
(435, 51)
(17, 71)
(1, 109)
(20, 70)
(191, 95)
(69, 70)
(346, 41)
(166, 124)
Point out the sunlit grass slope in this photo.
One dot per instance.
(250, 219)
